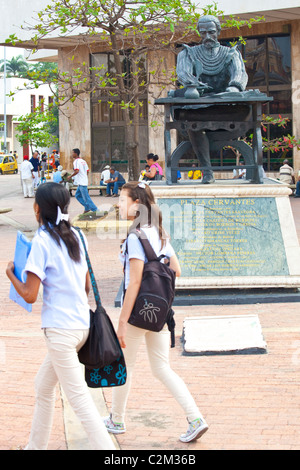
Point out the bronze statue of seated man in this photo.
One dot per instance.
(208, 68)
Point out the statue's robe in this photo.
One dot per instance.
(221, 68)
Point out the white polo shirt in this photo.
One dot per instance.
(65, 303)
(82, 166)
(25, 170)
(135, 249)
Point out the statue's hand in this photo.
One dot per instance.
(204, 86)
(232, 89)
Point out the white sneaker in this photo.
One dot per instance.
(195, 430)
(114, 428)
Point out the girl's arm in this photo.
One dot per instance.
(87, 283)
(151, 173)
(28, 290)
(174, 264)
(136, 267)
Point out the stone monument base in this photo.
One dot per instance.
(232, 237)
(204, 336)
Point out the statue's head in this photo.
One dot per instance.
(209, 28)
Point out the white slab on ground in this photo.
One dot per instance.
(238, 334)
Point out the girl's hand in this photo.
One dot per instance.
(121, 334)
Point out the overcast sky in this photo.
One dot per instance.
(11, 52)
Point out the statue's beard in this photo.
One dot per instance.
(210, 44)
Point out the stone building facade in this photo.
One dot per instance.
(272, 54)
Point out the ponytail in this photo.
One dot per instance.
(53, 200)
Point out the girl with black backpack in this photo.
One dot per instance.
(137, 203)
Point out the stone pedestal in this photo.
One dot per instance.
(231, 235)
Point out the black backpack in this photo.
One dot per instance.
(153, 306)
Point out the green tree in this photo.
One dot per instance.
(129, 30)
(15, 67)
(37, 129)
(41, 70)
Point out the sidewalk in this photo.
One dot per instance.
(250, 402)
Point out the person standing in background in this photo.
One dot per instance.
(26, 170)
(81, 172)
(36, 169)
(43, 167)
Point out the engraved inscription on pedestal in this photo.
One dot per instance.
(226, 236)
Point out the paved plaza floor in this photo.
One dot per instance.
(251, 402)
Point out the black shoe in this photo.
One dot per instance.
(208, 180)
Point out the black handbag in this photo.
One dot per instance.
(102, 354)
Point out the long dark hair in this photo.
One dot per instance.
(49, 197)
(151, 156)
(149, 212)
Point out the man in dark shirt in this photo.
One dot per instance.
(115, 182)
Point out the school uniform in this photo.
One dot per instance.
(157, 343)
(65, 323)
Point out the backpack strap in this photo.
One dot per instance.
(149, 252)
(92, 276)
(171, 326)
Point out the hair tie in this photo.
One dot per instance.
(61, 216)
(143, 184)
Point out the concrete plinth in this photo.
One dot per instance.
(236, 334)
(232, 235)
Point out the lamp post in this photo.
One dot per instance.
(5, 123)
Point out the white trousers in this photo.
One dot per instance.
(62, 364)
(35, 180)
(27, 187)
(158, 346)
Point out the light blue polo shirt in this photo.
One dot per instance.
(65, 303)
(136, 251)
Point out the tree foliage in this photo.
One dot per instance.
(37, 129)
(128, 29)
(15, 67)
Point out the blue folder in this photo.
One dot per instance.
(22, 250)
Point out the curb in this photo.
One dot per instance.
(104, 224)
(76, 438)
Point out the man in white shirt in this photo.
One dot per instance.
(286, 173)
(240, 173)
(26, 170)
(105, 175)
(80, 171)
